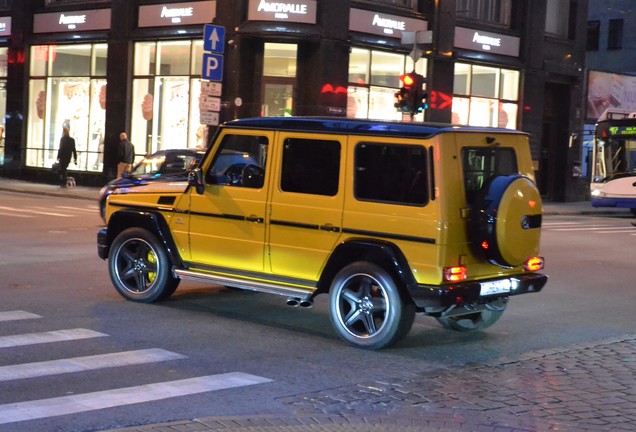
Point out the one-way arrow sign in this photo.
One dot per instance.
(213, 38)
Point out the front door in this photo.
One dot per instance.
(227, 221)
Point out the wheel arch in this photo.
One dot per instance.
(385, 254)
(153, 222)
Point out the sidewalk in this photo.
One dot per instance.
(584, 388)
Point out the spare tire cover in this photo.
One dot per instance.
(506, 220)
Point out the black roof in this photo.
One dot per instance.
(354, 126)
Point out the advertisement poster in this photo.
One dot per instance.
(608, 91)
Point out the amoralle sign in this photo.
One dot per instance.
(162, 15)
(478, 40)
(298, 11)
(89, 20)
(364, 21)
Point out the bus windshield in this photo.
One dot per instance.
(614, 151)
(615, 157)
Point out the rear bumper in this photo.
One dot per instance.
(443, 296)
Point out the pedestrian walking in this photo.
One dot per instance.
(126, 155)
(64, 154)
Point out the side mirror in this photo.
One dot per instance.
(195, 179)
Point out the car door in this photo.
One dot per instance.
(227, 221)
(306, 203)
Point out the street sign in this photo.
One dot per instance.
(212, 67)
(210, 103)
(209, 118)
(213, 38)
(211, 88)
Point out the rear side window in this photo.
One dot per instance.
(483, 164)
(391, 173)
(310, 166)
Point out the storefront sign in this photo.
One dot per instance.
(478, 40)
(299, 11)
(55, 22)
(364, 21)
(5, 26)
(162, 15)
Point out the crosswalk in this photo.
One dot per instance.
(591, 227)
(57, 211)
(65, 404)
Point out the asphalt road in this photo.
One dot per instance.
(224, 352)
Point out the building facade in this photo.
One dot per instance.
(136, 66)
(611, 66)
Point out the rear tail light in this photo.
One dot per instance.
(534, 264)
(454, 274)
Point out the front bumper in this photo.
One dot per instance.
(444, 296)
(102, 244)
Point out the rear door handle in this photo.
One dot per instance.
(254, 218)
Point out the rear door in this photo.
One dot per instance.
(306, 203)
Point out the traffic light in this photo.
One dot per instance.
(411, 97)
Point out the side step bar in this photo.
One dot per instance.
(235, 282)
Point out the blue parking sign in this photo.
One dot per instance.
(212, 67)
(213, 38)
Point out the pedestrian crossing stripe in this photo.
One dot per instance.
(47, 337)
(65, 405)
(87, 363)
(17, 315)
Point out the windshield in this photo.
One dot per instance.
(615, 157)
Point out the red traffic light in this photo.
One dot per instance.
(407, 80)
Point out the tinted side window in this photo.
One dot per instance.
(240, 161)
(481, 164)
(391, 173)
(310, 166)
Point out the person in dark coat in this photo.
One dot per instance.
(64, 153)
(126, 155)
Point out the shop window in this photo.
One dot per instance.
(593, 35)
(166, 90)
(67, 89)
(374, 78)
(497, 12)
(485, 96)
(279, 79)
(615, 34)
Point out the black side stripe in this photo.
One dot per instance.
(300, 225)
(389, 236)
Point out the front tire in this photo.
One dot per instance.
(366, 307)
(139, 267)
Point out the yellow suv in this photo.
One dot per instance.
(389, 219)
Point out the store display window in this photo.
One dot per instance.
(374, 78)
(485, 96)
(165, 100)
(67, 89)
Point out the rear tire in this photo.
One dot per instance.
(139, 267)
(366, 307)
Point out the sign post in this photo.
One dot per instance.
(212, 74)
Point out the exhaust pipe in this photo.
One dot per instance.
(293, 301)
(307, 303)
